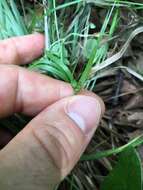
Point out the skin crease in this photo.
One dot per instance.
(42, 154)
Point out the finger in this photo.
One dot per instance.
(28, 92)
(21, 50)
(89, 93)
(52, 143)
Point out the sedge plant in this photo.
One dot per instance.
(61, 41)
(55, 60)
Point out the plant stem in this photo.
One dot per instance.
(56, 21)
(46, 26)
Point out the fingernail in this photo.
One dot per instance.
(86, 112)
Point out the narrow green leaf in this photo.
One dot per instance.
(98, 155)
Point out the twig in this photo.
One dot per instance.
(46, 21)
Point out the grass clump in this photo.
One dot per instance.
(69, 44)
(11, 23)
(67, 41)
(56, 58)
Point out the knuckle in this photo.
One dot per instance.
(56, 144)
(9, 49)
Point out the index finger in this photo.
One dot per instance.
(21, 50)
(23, 91)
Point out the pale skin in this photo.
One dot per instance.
(48, 148)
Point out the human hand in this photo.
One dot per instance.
(47, 149)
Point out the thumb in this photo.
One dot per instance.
(51, 144)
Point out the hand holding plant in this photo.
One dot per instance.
(60, 125)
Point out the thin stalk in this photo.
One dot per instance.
(23, 9)
(99, 3)
(46, 27)
(134, 143)
(56, 21)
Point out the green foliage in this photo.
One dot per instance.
(74, 40)
(90, 45)
(134, 143)
(55, 63)
(100, 50)
(11, 23)
(127, 174)
(98, 53)
(101, 3)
